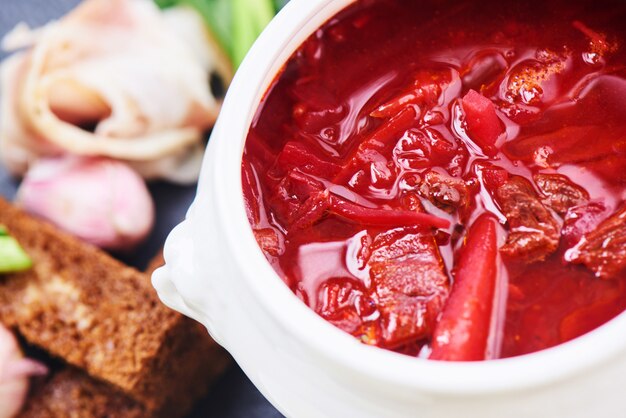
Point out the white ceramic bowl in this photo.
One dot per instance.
(217, 274)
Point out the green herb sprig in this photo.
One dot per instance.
(13, 258)
(235, 23)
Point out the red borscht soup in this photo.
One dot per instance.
(446, 179)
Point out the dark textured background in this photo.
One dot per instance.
(233, 396)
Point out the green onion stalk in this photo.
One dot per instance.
(235, 24)
(13, 258)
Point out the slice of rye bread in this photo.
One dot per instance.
(73, 393)
(88, 309)
(70, 393)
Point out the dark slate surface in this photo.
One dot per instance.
(233, 396)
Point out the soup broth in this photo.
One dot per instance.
(446, 179)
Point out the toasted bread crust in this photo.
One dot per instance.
(98, 315)
(72, 394)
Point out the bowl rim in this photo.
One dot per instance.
(292, 25)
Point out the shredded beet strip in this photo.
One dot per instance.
(296, 155)
(419, 96)
(383, 217)
(463, 330)
(389, 131)
(313, 210)
(397, 104)
(381, 138)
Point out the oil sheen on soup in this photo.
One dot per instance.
(446, 179)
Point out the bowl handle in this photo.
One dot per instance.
(180, 284)
(178, 255)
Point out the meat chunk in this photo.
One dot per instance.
(270, 241)
(560, 193)
(409, 284)
(344, 302)
(534, 233)
(292, 196)
(604, 249)
(445, 192)
(581, 220)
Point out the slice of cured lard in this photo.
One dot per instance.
(118, 79)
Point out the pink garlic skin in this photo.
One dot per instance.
(14, 375)
(103, 202)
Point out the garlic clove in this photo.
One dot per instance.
(103, 202)
(14, 374)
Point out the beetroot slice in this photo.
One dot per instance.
(313, 210)
(296, 155)
(382, 138)
(483, 125)
(463, 330)
(382, 217)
